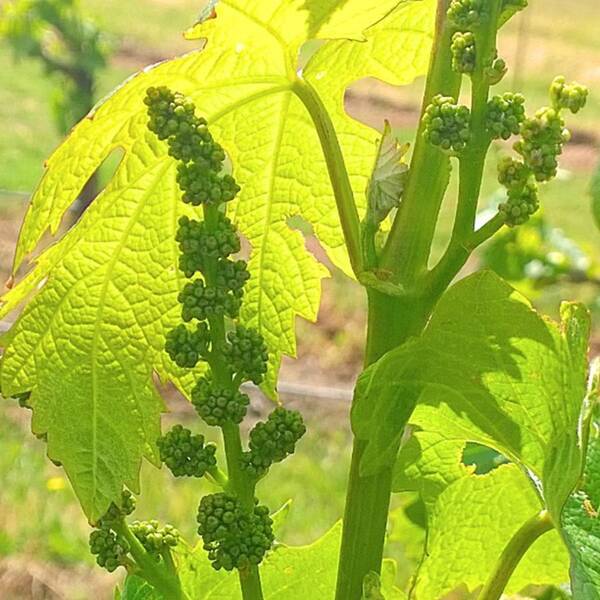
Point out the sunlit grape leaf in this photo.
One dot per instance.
(103, 297)
(428, 463)
(288, 573)
(488, 369)
(581, 526)
(136, 588)
(382, 587)
(388, 178)
(469, 526)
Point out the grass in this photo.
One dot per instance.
(40, 516)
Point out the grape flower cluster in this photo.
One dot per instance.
(109, 550)
(463, 52)
(110, 545)
(572, 96)
(233, 537)
(218, 405)
(155, 539)
(235, 529)
(541, 142)
(505, 114)
(466, 14)
(272, 441)
(186, 454)
(522, 191)
(446, 124)
(186, 347)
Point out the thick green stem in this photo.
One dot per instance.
(472, 161)
(391, 322)
(408, 246)
(405, 257)
(338, 175)
(513, 553)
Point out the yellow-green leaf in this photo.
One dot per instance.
(103, 297)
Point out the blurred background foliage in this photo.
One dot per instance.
(57, 58)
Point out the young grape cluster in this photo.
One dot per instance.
(201, 185)
(218, 405)
(155, 539)
(197, 243)
(186, 454)
(522, 191)
(572, 96)
(446, 124)
(541, 143)
(463, 52)
(236, 531)
(110, 546)
(172, 117)
(273, 441)
(233, 537)
(109, 550)
(185, 347)
(505, 114)
(201, 301)
(521, 203)
(247, 354)
(466, 14)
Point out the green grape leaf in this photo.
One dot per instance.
(490, 370)
(287, 573)
(381, 587)
(388, 178)
(581, 528)
(136, 588)
(428, 463)
(494, 372)
(469, 526)
(102, 298)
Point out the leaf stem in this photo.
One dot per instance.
(457, 254)
(336, 166)
(513, 553)
(391, 321)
